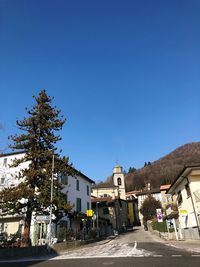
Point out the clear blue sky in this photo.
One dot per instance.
(126, 74)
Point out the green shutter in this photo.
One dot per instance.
(78, 204)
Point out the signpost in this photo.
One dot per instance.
(159, 215)
(43, 218)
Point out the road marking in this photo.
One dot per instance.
(176, 255)
(198, 255)
(135, 245)
(108, 263)
(157, 256)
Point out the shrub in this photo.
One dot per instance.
(148, 208)
(160, 226)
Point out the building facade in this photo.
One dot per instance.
(186, 188)
(78, 194)
(116, 188)
(114, 196)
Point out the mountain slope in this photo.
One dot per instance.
(164, 170)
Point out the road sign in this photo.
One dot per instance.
(159, 215)
(43, 218)
(89, 213)
(170, 223)
(94, 217)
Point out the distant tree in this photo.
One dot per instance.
(166, 169)
(38, 140)
(131, 169)
(148, 208)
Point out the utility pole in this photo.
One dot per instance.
(51, 199)
(97, 214)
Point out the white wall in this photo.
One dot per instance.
(10, 179)
(10, 173)
(73, 193)
(188, 219)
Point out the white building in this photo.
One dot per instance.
(186, 188)
(78, 194)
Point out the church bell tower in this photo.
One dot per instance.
(118, 180)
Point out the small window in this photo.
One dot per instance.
(105, 211)
(88, 205)
(78, 204)
(119, 181)
(64, 179)
(187, 188)
(2, 180)
(5, 162)
(88, 190)
(105, 195)
(77, 185)
(179, 198)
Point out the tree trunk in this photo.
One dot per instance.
(26, 241)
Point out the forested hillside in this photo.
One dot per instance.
(164, 170)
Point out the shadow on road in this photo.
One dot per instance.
(25, 256)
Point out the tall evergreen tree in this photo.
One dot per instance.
(38, 141)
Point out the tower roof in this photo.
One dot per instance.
(117, 169)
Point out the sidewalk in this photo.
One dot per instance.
(190, 245)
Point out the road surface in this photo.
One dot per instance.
(134, 248)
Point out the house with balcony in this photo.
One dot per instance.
(78, 193)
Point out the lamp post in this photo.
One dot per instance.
(51, 199)
(97, 218)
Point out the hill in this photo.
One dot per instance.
(164, 170)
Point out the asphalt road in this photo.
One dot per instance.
(135, 248)
(117, 262)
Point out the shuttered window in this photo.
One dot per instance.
(78, 204)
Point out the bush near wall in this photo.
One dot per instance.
(160, 226)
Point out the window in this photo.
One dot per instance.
(5, 162)
(64, 179)
(2, 180)
(119, 181)
(41, 230)
(88, 190)
(78, 204)
(179, 198)
(105, 195)
(77, 185)
(105, 211)
(187, 188)
(88, 205)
